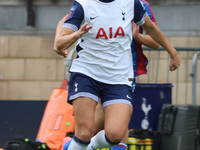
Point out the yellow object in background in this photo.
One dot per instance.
(147, 143)
(139, 144)
(132, 143)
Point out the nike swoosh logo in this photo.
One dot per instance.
(92, 18)
(128, 96)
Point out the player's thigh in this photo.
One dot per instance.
(99, 119)
(84, 112)
(117, 118)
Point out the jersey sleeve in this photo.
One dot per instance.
(75, 17)
(139, 12)
(149, 11)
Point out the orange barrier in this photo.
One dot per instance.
(57, 121)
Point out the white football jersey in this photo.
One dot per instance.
(104, 53)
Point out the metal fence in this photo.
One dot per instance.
(185, 80)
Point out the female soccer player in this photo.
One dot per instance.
(103, 68)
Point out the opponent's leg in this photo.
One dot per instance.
(99, 119)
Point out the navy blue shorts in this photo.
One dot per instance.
(81, 85)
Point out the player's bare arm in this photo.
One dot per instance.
(160, 38)
(59, 26)
(58, 30)
(68, 37)
(143, 39)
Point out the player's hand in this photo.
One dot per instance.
(63, 53)
(83, 29)
(175, 62)
(135, 30)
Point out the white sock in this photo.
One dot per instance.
(99, 141)
(77, 144)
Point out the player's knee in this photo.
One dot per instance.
(85, 134)
(114, 136)
(84, 131)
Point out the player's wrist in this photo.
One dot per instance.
(77, 35)
(173, 54)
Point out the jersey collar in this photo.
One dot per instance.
(106, 1)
